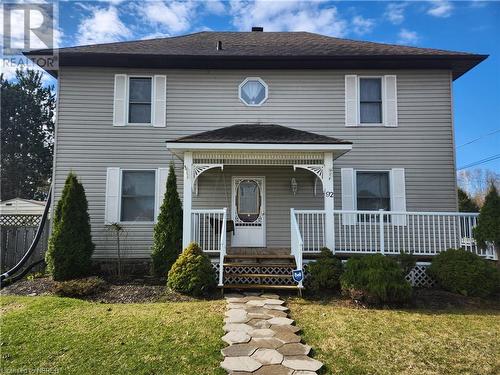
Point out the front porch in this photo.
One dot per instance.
(262, 209)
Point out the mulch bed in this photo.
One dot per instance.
(115, 291)
(154, 290)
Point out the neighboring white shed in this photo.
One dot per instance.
(20, 206)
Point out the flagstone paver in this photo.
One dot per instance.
(262, 339)
(268, 356)
(236, 337)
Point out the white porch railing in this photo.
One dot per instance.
(208, 229)
(389, 232)
(297, 245)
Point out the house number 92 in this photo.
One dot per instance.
(329, 194)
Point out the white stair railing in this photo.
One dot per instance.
(206, 227)
(297, 245)
(311, 224)
(222, 251)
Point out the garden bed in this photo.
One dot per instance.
(114, 291)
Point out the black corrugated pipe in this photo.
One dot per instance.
(33, 245)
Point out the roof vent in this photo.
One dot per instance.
(257, 28)
(219, 45)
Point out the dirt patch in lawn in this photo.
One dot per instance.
(114, 291)
(436, 299)
(425, 298)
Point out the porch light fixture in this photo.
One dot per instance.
(293, 185)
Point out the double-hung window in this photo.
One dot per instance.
(138, 195)
(370, 100)
(373, 191)
(139, 100)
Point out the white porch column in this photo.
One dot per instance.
(329, 200)
(187, 199)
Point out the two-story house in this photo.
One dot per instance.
(284, 142)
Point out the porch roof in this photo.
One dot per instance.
(258, 137)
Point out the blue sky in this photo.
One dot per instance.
(471, 26)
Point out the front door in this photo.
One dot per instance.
(248, 212)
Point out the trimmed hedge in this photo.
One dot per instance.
(192, 273)
(460, 271)
(324, 273)
(375, 279)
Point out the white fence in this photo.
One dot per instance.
(388, 232)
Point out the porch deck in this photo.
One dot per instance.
(424, 234)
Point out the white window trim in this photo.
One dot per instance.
(127, 96)
(120, 197)
(355, 187)
(266, 87)
(382, 110)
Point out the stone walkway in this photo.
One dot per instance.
(262, 339)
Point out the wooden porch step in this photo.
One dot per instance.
(257, 256)
(278, 265)
(259, 286)
(259, 275)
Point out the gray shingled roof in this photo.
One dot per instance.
(257, 44)
(263, 50)
(259, 133)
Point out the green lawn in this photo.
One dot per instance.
(360, 341)
(70, 336)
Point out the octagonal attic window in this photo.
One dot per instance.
(253, 91)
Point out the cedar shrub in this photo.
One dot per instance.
(192, 273)
(465, 203)
(70, 245)
(324, 273)
(375, 278)
(461, 271)
(488, 221)
(167, 237)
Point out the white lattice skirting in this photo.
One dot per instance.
(417, 277)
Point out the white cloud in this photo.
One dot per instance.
(215, 6)
(103, 26)
(395, 12)
(292, 15)
(173, 16)
(440, 8)
(408, 37)
(362, 25)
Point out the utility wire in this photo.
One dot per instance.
(478, 138)
(482, 161)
